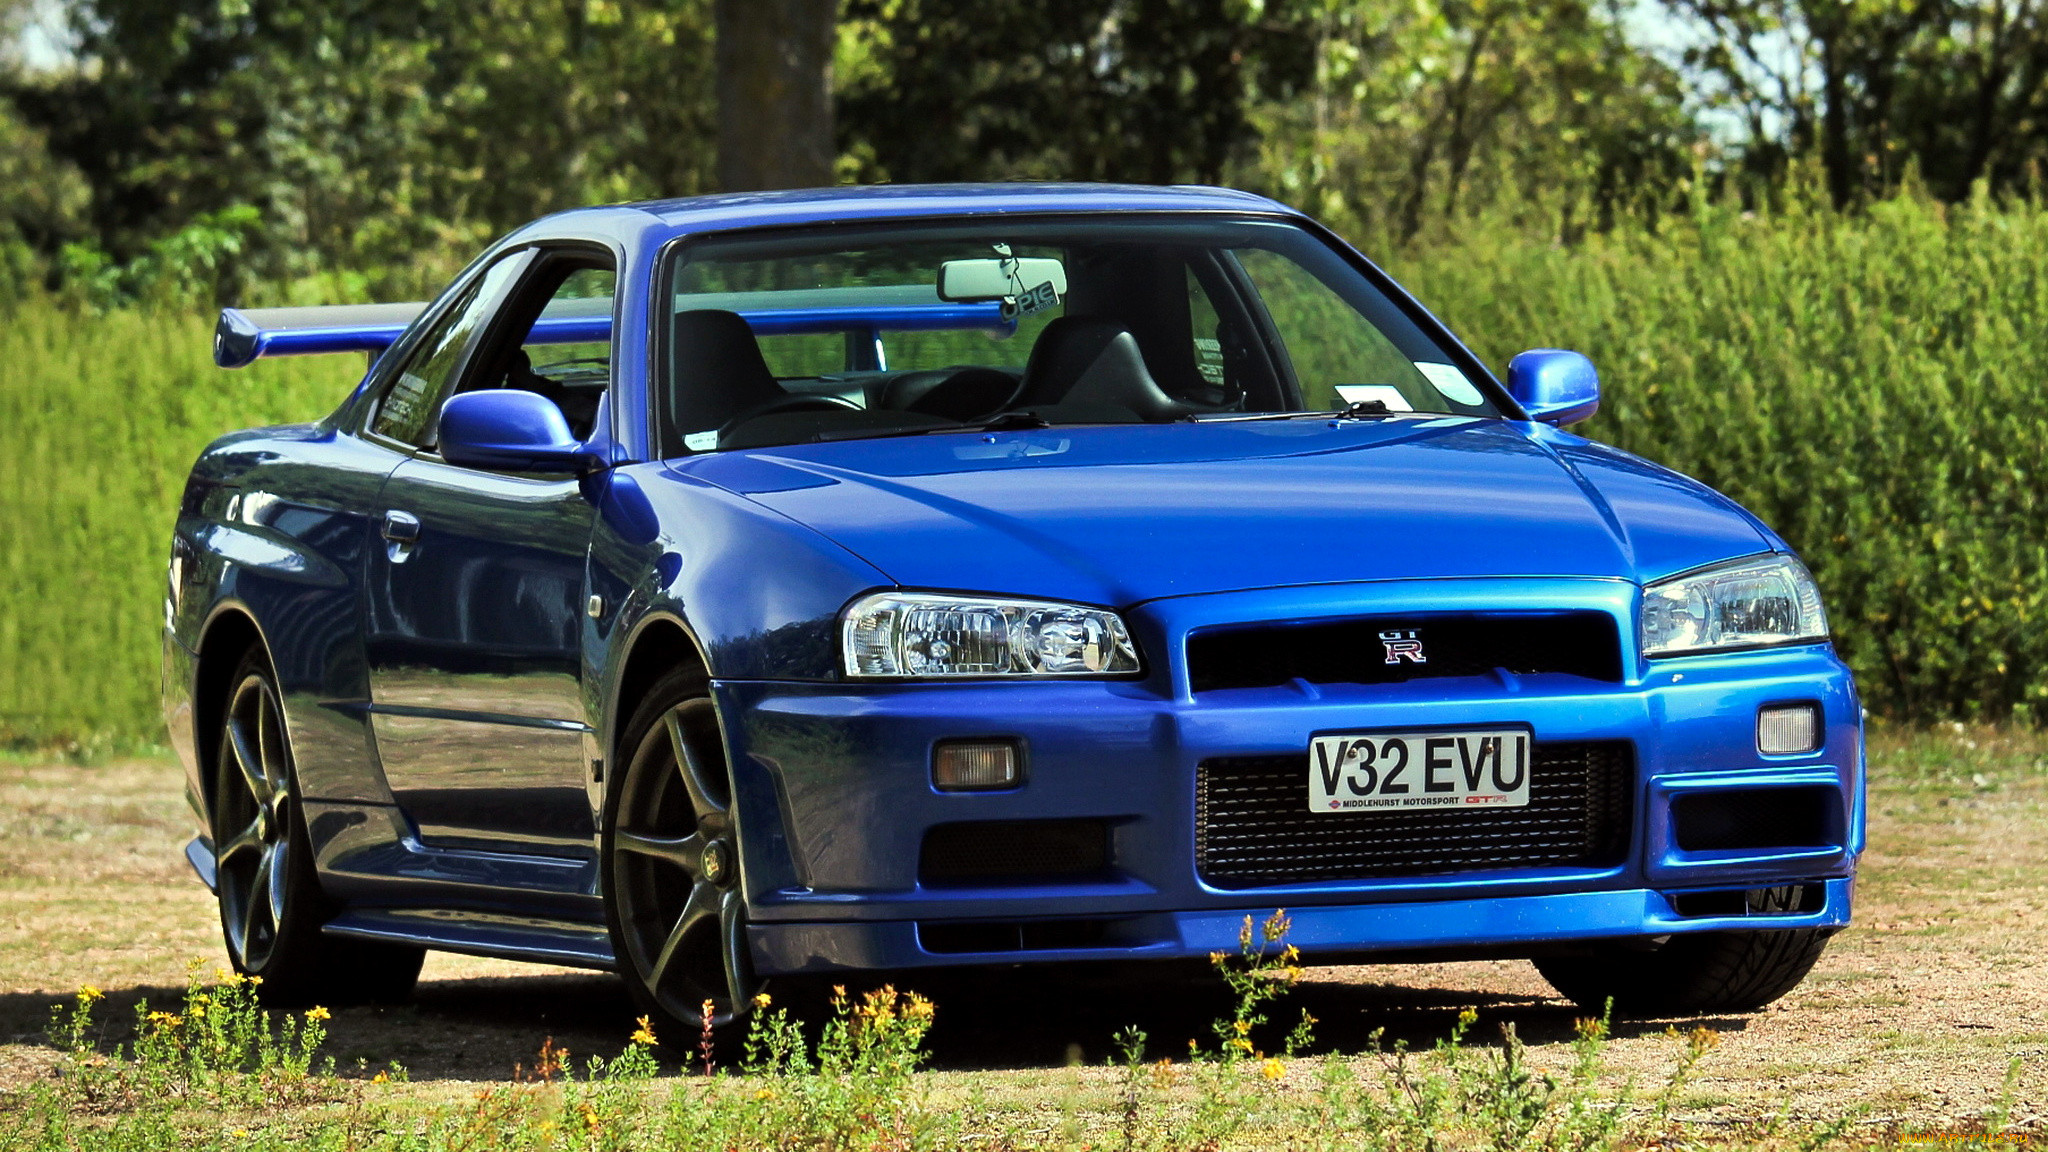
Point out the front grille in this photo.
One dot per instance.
(1253, 825)
(1356, 652)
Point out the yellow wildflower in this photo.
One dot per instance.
(316, 1012)
(255, 981)
(765, 1094)
(645, 1033)
(1272, 1069)
(1243, 1027)
(381, 1078)
(761, 1000)
(1241, 1044)
(165, 1019)
(88, 994)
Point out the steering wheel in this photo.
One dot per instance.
(794, 402)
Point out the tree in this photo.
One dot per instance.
(774, 63)
(1157, 91)
(1955, 88)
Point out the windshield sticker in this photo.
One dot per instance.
(1366, 393)
(701, 441)
(1451, 382)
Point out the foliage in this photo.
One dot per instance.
(222, 1073)
(1418, 113)
(1156, 91)
(366, 134)
(101, 416)
(1867, 384)
(1874, 90)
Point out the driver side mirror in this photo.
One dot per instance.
(1554, 386)
(507, 430)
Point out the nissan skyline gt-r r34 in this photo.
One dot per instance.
(890, 579)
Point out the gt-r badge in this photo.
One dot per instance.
(1404, 643)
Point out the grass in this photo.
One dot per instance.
(1899, 1031)
(218, 1069)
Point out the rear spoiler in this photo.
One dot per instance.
(244, 336)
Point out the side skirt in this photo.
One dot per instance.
(532, 939)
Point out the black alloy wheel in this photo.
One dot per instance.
(671, 865)
(271, 906)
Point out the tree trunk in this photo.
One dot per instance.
(774, 61)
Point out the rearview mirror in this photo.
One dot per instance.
(1554, 386)
(974, 281)
(507, 430)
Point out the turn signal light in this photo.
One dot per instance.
(975, 765)
(1788, 729)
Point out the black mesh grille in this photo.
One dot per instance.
(1013, 852)
(1355, 651)
(1253, 825)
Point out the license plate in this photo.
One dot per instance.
(1391, 771)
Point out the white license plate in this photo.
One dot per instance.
(1390, 771)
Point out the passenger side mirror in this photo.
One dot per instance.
(1554, 386)
(507, 430)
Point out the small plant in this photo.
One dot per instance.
(219, 1048)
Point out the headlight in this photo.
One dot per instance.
(1763, 600)
(911, 634)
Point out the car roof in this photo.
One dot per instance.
(887, 201)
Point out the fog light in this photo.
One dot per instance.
(974, 765)
(1788, 729)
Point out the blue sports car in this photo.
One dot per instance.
(894, 578)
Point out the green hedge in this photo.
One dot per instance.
(100, 418)
(1869, 385)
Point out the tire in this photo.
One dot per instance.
(1697, 974)
(271, 905)
(673, 896)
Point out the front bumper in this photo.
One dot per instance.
(836, 799)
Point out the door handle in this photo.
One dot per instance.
(401, 527)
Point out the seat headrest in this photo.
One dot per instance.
(717, 370)
(1082, 360)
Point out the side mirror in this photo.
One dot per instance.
(1554, 386)
(507, 430)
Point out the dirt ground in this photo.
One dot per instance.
(1911, 1021)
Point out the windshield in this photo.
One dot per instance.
(817, 335)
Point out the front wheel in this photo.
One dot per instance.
(271, 906)
(673, 899)
(1696, 974)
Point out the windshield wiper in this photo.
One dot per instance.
(1022, 421)
(1358, 410)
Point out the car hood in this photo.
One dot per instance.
(1124, 514)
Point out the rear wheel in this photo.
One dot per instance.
(1698, 973)
(271, 906)
(673, 898)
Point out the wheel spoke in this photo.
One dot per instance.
(685, 852)
(270, 743)
(247, 838)
(732, 933)
(256, 905)
(248, 761)
(280, 876)
(708, 801)
(702, 904)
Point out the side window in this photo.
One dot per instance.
(1325, 341)
(558, 339)
(407, 410)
